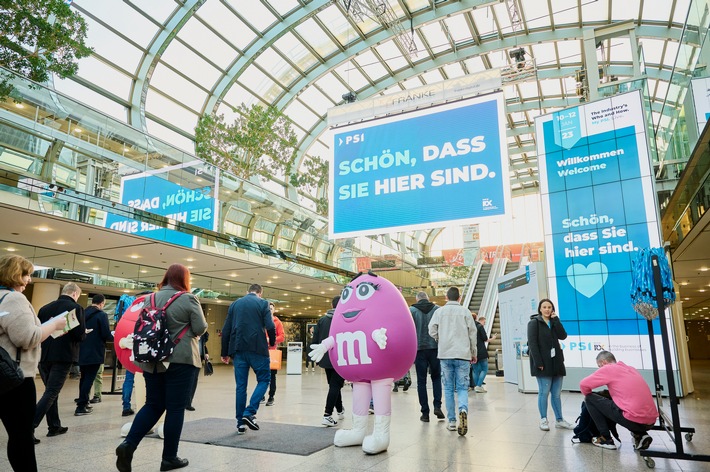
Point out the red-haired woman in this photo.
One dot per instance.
(169, 383)
(21, 333)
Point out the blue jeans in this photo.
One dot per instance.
(127, 389)
(545, 387)
(426, 358)
(167, 392)
(455, 374)
(480, 369)
(261, 366)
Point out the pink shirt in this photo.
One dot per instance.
(628, 390)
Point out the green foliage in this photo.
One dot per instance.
(38, 38)
(259, 142)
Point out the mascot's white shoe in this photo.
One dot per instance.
(353, 437)
(379, 440)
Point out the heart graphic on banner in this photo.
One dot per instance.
(587, 280)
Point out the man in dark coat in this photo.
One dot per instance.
(243, 340)
(93, 350)
(335, 381)
(58, 354)
(427, 349)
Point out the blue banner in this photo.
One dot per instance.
(420, 170)
(162, 197)
(599, 209)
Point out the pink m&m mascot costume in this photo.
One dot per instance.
(372, 342)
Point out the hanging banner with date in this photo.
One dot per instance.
(599, 208)
(420, 170)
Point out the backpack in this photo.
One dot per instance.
(586, 429)
(151, 339)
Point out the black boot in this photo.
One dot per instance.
(124, 456)
(174, 463)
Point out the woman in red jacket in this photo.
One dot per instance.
(280, 337)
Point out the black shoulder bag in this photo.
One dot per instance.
(11, 376)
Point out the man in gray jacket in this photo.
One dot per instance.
(422, 312)
(452, 326)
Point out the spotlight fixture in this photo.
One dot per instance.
(349, 97)
(517, 54)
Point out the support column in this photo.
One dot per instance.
(43, 293)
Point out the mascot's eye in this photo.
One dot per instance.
(365, 291)
(345, 296)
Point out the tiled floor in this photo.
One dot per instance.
(503, 434)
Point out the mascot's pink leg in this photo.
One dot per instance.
(362, 393)
(379, 440)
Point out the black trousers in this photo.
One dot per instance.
(600, 408)
(165, 392)
(194, 387)
(272, 384)
(335, 397)
(17, 411)
(53, 374)
(88, 375)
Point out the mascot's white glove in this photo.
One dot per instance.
(319, 350)
(127, 342)
(380, 337)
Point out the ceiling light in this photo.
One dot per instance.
(274, 276)
(285, 294)
(133, 256)
(199, 179)
(190, 267)
(702, 290)
(219, 301)
(125, 149)
(190, 259)
(298, 287)
(95, 268)
(331, 289)
(233, 275)
(43, 229)
(322, 293)
(19, 105)
(308, 298)
(86, 261)
(61, 243)
(144, 271)
(269, 281)
(684, 283)
(78, 130)
(704, 269)
(11, 249)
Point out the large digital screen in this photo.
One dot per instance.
(599, 209)
(420, 170)
(155, 194)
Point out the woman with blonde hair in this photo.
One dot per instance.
(21, 335)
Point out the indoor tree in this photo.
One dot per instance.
(39, 38)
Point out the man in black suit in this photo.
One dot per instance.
(93, 351)
(243, 340)
(57, 357)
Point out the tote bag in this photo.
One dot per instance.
(275, 357)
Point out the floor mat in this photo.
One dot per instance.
(273, 437)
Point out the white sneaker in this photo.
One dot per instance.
(328, 421)
(479, 390)
(562, 424)
(451, 426)
(544, 425)
(341, 415)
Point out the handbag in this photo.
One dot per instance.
(275, 359)
(11, 375)
(209, 370)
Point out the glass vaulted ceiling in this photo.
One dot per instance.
(160, 64)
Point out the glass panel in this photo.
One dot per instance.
(537, 14)
(332, 87)
(566, 12)
(278, 67)
(292, 48)
(658, 10)
(255, 13)
(207, 43)
(85, 95)
(338, 25)
(458, 28)
(371, 65)
(316, 100)
(392, 56)
(349, 73)
(284, 6)
(229, 25)
(298, 113)
(170, 136)
(262, 86)
(96, 71)
(435, 37)
(620, 50)
(652, 50)
(671, 54)
(236, 95)
(432, 77)
(483, 20)
(174, 85)
(624, 10)
(107, 44)
(180, 57)
(123, 18)
(595, 11)
(473, 64)
(158, 9)
(315, 37)
(544, 54)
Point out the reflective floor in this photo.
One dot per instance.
(503, 434)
